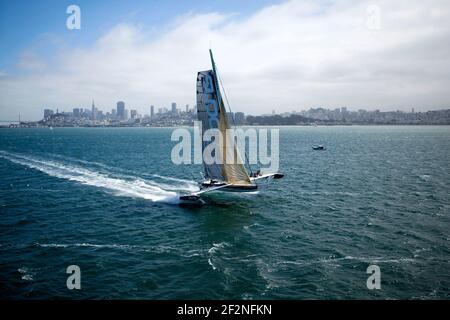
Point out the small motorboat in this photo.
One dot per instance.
(319, 147)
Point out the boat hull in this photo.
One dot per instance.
(190, 200)
(231, 188)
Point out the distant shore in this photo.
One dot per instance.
(243, 125)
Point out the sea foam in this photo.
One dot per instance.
(129, 186)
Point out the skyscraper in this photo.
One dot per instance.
(174, 108)
(152, 111)
(239, 118)
(94, 111)
(187, 108)
(121, 110)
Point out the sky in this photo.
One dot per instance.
(271, 55)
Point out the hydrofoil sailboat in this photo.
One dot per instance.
(212, 114)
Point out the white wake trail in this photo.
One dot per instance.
(131, 187)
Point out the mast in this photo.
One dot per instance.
(219, 95)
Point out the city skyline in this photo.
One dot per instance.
(120, 112)
(270, 54)
(152, 110)
(121, 116)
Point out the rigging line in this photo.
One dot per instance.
(232, 117)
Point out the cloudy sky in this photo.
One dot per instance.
(272, 55)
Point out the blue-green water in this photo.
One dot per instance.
(105, 199)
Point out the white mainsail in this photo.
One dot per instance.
(212, 114)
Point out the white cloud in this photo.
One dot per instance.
(288, 56)
(31, 62)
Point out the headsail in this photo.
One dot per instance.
(211, 112)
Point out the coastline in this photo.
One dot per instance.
(244, 125)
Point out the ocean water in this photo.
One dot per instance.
(105, 199)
